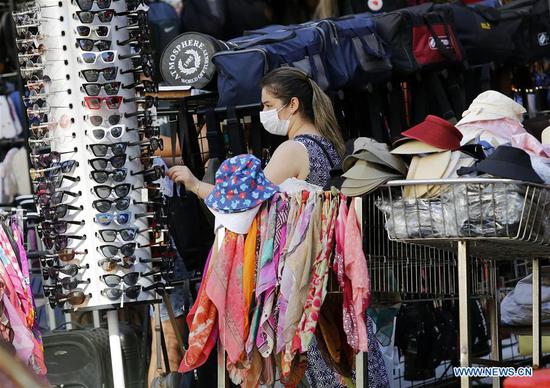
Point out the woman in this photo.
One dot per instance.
(293, 106)
(296, 107)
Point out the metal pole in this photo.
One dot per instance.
(361, 359)
(116, 349)
(464, 309)
(494, 318)
(222, 383)
(536, 314)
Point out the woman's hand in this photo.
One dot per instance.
(182, 174)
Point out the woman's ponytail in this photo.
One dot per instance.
(325, 119)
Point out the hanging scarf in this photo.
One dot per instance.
(201, 320)
(318, 284)
(224, 287)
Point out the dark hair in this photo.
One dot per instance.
(287, 82)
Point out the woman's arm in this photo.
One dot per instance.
(290, 160)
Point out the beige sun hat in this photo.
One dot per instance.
(492, 105)
(431, 166)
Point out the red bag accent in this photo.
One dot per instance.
(425, 48)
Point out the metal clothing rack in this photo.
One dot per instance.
(497, 219)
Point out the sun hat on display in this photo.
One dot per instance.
(492, 105)
(436, 132)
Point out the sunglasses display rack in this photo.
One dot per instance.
(85, 65)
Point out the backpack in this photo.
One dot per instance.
(420, 38)
(262, 51)
(164, 24)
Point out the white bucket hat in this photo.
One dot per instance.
(492, 105)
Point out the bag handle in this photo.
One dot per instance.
(447, 52)
(274, 37)
(172, 316)
(381, 53)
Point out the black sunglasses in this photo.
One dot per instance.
(100, 164)
(152, 174)
(86, 44)
(86, 5)
(146, 102)
(110, 251)
(129, 279)
(104, 16)
(100, 150)
(60, 242)
(108, 74)
(53, 228)
(117, 175)
(110, 88)
(104, 191)
(132, 292)
(110, 235)
(148, 86)
(105, 205)
(45, 198)
(58, 211)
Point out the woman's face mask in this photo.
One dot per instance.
(273, 124)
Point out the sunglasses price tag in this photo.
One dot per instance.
(144, 195)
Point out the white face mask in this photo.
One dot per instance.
(273, 124)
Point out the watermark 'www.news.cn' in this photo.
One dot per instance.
(481, 371)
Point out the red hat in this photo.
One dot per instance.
(437, 132)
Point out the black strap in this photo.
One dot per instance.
(235, 132)
(447, 51)
(213, 135)
(322, 147)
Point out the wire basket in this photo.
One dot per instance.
(502, 218)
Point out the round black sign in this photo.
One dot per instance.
(187, 60)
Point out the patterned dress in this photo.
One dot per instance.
(319, 374)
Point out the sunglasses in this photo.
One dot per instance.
(152, 144)
(49, 159)
(67, 269)
(116, 293)
(98, 120)
(145, 68)
(101, 150)
(74, 298)
(44, 198)
(99, 31)
(110, 88)
(94, 103)
(60, 242)
(146, 102)
(58, 211)
(53, 228)
(105, 205)
(129, 279)
(86, 5)
(110, 251)
(110, 235)
(28, 33)
(66, 167)
(104, 16)
(109, 265)
(118, 175)
(100, 164)
(91, 57)
(148, 86)
(70, 284)
(64, 255)
(104, 191)
(92, 75)
(152, 174)
(114, 132)
(119, 218)
(54, 183)
(89, 44)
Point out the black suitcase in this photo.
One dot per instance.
(82, 358)
(78, 358)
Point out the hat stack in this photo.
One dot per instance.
(369, 166)
(431, 144)
(478, 121)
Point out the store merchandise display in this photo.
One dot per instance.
(92, 136)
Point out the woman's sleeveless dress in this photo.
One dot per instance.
(319, 374)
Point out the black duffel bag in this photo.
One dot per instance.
(476, 28)
(420, 38)
(527, 23)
